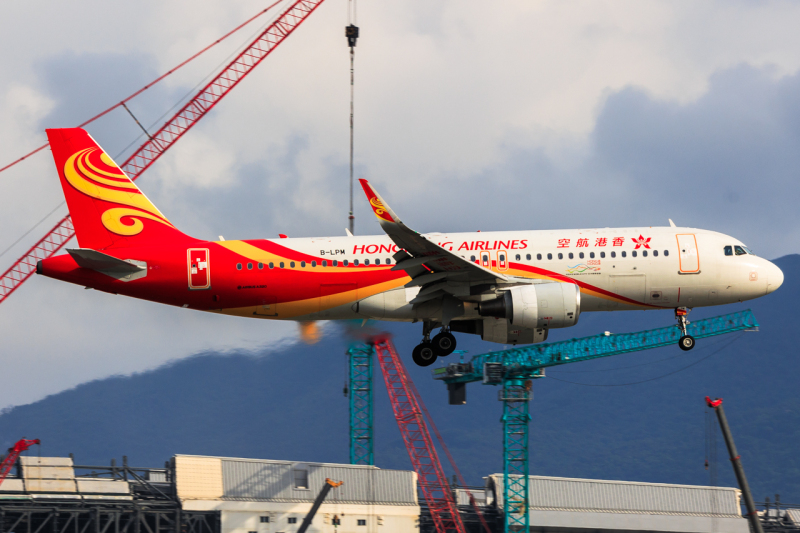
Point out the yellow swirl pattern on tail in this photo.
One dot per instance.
(92, 181)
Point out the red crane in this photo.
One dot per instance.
(13, 454)
(169, 133)
(407, 412)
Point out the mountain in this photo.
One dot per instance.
(637, 416)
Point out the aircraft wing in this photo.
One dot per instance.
(430, 266)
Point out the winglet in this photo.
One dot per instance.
(379, 207)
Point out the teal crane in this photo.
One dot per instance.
(515, 368)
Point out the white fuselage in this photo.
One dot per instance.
(615, 268)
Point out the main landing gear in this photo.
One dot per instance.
(686, 342)
(442, 344)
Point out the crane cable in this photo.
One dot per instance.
(152, 83)
(158, 120)
(351, 32)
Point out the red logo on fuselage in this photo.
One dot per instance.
(641, 241)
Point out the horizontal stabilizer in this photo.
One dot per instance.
(101, 262)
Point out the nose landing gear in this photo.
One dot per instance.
(426, 352)
(686, 342)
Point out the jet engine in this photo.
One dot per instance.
(542, 305)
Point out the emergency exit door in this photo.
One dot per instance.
(687, 253)
(199, 273)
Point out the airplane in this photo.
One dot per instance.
(509, 287)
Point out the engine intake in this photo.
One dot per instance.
(543, 305)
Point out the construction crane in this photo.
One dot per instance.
(172, 130)
(323, 493)
(515, 368)
(424, 459)
(13, 454)
(736, 461)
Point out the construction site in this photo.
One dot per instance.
(209, 494)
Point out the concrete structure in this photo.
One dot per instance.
(54, 477)
(263, 496)
(567, 505)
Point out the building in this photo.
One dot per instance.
(578, 505)
(194, 494)
(263, 496)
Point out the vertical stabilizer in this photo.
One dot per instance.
(107, 209)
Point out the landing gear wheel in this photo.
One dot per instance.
(444, 343)
(423, 354)
(686, 343)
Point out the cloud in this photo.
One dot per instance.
(537, 115)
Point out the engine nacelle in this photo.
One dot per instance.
(543, 305)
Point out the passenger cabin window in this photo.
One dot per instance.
(313, 263)
(345, 262)
(739, 250)
(261, 266)
(666, 253)
(528, 257)
(613, 254)
(538, 257)
(580, 255)
(291, 520)
(655, 253)
(591, 255)
(238, 266)
(518, 257)
(549, 256)
(633, 253)
(302, 264)
(265, 520)
(602, 255)
(366, 262)
(472, 258)
(570, 255)
(377, 261)
(355, 262)
(623, 254)
(249, 266)
(560, 256)
(324, 263)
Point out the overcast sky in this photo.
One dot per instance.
(521, 115)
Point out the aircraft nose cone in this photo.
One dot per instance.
(774, 277)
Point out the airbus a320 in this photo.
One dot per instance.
(509, 287)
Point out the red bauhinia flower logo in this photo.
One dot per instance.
(641, 241)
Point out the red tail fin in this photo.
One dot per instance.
(107, 209)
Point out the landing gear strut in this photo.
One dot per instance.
(426, 352)
(686, 342)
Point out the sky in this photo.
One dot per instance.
(538, 115)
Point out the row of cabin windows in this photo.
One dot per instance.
(581, 255)
(324, 263)
(293, 520)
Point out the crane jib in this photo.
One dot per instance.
(169, 133)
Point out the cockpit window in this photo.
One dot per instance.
(729, 250)
(748, 250)
(739, 250)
